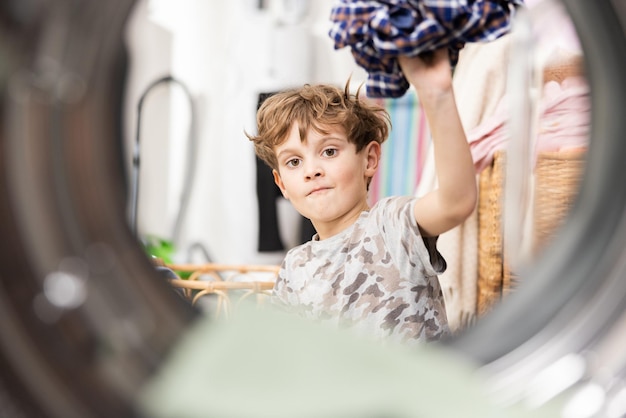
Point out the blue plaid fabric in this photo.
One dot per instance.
(377, 32)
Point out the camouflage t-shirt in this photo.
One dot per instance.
(378, 277)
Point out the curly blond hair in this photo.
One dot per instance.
(318, 107)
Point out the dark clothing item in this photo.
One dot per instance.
(267, 192)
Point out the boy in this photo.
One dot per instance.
(371, 269)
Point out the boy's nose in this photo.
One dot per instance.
(313, 170)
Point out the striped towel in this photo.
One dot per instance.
(404, 153)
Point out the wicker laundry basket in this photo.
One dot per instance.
(490, 248)
(223, 286)
(557, 179)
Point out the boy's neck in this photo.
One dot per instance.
(330, 229)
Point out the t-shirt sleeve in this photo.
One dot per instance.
(403, 236)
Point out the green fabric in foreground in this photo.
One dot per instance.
(262, 363)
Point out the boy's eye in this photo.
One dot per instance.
(330, 152)
(294, 162)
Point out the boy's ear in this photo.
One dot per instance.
(279, 183)
(372, 152)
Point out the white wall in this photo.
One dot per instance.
(226, 52)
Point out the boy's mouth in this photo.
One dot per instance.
(317, 190)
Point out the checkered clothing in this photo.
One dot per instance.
(379, 31)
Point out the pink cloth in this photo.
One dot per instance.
(564, 120)
(566, 115)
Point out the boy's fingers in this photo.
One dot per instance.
(428, 57)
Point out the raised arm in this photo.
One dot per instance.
(455, 198)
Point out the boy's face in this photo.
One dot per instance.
(324, 177)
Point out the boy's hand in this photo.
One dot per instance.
(429, 71)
